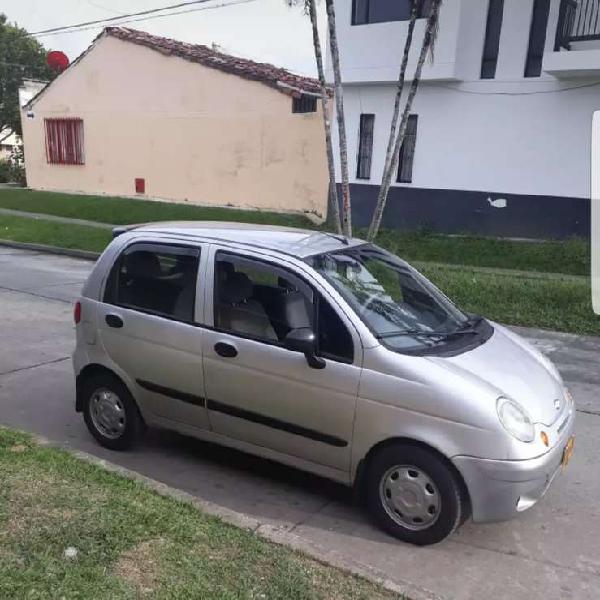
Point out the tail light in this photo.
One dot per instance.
(77, 312)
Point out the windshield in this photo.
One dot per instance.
(400, 306)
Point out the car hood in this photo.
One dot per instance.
(513, 369)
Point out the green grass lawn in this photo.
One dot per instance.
(134, 543)
(570, 256)
(124, 211)
(81, 237)
(549, 303)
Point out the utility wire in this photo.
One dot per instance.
(109, 19)
(104, 8)
(123, 22)
(534, 93)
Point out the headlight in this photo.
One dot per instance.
(515, 420)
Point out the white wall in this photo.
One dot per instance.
(372, 52)
(507, 135)
(537, 144)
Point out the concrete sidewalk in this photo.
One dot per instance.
(550, 552)
(57, 219)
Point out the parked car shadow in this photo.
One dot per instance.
(263, 489)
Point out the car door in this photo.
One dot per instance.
(257, 390)
(148, 328)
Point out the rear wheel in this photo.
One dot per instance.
(414, 494)
(110, 412)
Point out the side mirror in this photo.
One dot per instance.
(304, 340)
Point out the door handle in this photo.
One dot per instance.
(114, 321)
(226, 350)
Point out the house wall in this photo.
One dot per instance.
(508, 156)
(195, 134)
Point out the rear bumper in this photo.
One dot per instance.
(500, 489)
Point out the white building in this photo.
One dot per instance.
(10, 141)
(500, 139)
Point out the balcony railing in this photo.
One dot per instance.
(578, 21)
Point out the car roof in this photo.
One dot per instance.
(299, 243)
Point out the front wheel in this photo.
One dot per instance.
(414, 494)
(110, 412)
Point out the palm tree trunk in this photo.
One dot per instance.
(334, 206)
(399, 90)
(339, 104)
(428, 43)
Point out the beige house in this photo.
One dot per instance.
(146, 115)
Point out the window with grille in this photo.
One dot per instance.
(304, 104)
(64, 141)
(381, 11)
(365, 146)
(492, 39)
(537, 38)
(407, 152)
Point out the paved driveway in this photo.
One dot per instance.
(550, 552)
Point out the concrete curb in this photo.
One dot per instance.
(72, 252)
(279, 536)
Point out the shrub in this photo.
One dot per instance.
(12, 169)
(5, 169)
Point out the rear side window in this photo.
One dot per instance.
(156, 279)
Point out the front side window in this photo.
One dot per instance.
(155, 279)
(262, 301)
(259, 300)
(379, 11)
(334, 338)
(399, 305)
(64, 141)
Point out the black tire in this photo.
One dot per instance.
(451, 498)
(133, 424)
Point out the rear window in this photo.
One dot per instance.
(156, 279)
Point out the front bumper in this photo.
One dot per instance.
(499, 489)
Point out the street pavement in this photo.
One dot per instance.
(549, 552)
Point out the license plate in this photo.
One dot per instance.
(568, 451)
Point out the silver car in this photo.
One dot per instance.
(325, 353)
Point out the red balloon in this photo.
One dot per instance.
(57, 60)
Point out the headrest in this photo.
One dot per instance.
(297, 310)
(224, 270)
(237, 288)
(142, 264)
